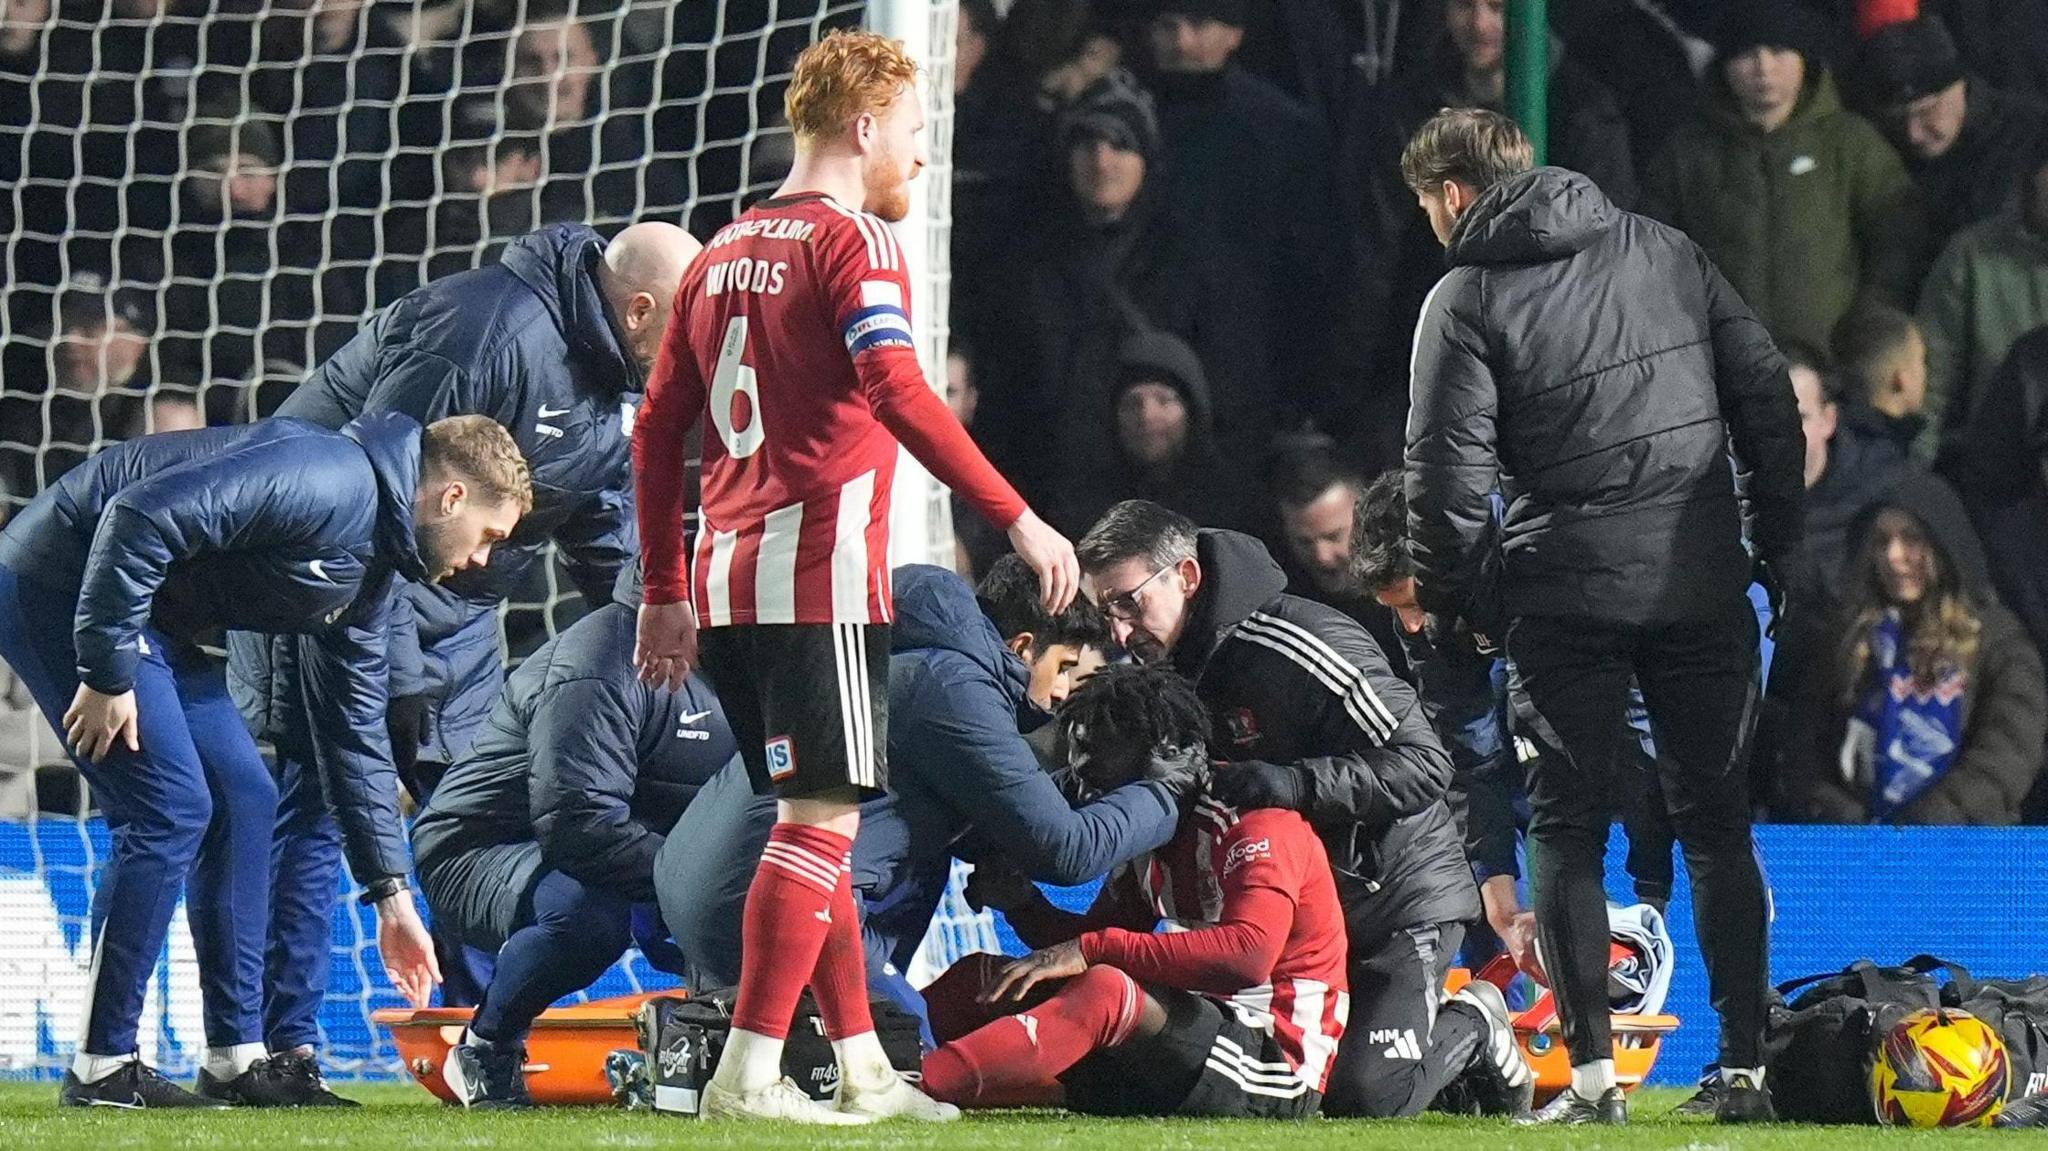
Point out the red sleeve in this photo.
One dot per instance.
(674, 402)
(1261, 867)
(870, 298)
(1117, 905)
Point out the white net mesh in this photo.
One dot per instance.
(203, 199)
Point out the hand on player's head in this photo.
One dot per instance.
(1051, 555)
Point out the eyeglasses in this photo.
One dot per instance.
(1124, 607)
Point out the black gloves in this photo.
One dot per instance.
(1255, 783)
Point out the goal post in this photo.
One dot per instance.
(237, 187)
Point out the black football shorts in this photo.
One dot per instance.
(809, 703)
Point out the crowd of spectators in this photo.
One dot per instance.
(1184, 264)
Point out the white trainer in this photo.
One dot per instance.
(781, 1101)
(899, 1100)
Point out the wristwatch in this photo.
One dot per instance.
(379, 890)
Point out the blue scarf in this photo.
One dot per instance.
(1909, 736)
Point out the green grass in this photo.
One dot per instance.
(404, 1117)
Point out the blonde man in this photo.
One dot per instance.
(110, 579)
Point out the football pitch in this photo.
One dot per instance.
(401, 1116)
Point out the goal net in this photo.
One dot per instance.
(199, 200)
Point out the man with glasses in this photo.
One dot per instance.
(1307, 716)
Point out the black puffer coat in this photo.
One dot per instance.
(1590, 365)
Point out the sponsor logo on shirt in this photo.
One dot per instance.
(1244, 851)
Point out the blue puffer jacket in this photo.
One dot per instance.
(961, 776)
(958, 765)
(579, 761)
(280, 527)
(530, 344)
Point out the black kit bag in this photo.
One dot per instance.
(1822, 1033)
(682, 1040)
(2018, 1010)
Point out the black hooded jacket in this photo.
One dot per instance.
(1294, 683)
(1865, 460)
(580, 767)
(1591, 365)
(1198, 485)
(1081, 290)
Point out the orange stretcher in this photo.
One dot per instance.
(1637, 1038)
(564, 1054)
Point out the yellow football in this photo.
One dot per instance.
(1940, 1068)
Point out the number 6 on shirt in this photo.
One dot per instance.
(742, 430)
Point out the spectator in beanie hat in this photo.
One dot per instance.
(1843, 219)
(1165, 443)
(1965, 143)
(1117, 111)
(1110, 259)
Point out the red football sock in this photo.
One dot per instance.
(1017, 1061)
(785, 923)
(840, 980)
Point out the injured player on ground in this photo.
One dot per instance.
(1235, 1010)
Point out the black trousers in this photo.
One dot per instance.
(1699, 682)
(1399, 1050)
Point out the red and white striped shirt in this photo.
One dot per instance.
(790, 338)
(1252, 917)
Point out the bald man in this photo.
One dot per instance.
(554, 342)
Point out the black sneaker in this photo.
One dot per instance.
(1570, 1109)
(135, 1087)
(313, 1088)
(274, 1081)
(2030, 1111)
(1707, 1099)
(1457, 1098)
(1500, 1080)
(487, 1077)
(1744, 1100)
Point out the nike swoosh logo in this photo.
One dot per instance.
(548, 413)
(695, 716)
(137, 1105)
(320, 572)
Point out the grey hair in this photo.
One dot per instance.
(1135, 529)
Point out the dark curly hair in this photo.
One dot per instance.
(1379, 534)
(1131, 722)
(1009, 597)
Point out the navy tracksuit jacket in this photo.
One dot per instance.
(113, 576)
